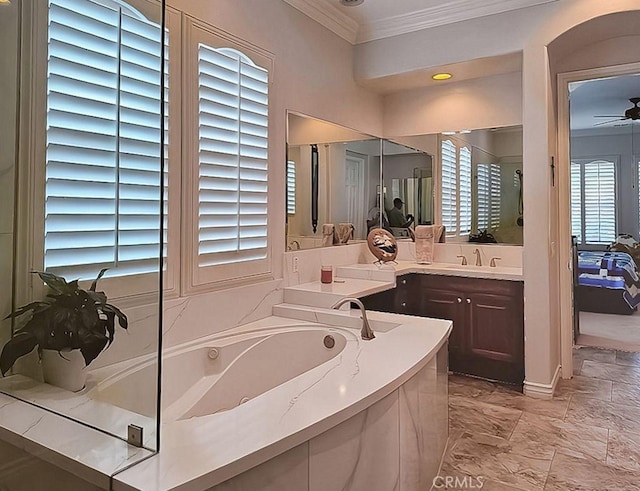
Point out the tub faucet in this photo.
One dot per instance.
(366, 331)
(478, 259)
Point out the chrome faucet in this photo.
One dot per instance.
(478, 259)
(492, 263)
(464, 260)
(366, 331)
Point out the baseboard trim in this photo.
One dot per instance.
(542, 391)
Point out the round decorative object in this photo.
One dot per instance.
(382, 245)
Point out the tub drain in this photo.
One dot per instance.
(329, 341)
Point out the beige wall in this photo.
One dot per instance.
(8, 82)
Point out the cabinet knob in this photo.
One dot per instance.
(404, 304)
(404, 282)
(459, 300)
(468, 300)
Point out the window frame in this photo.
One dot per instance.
(458, 145)
(195, 278)
(582, 160)
(130, 290)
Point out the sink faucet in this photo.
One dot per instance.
(290, 246)
(493, 261)
(478, 259)
(366, 331)
(464, 260)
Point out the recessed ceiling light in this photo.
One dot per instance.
(449, 133)
(441, 76)
(351, 3)
(465, 132)
(5, 2)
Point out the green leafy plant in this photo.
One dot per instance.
(69, 318)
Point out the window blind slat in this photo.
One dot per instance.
(232, 184)
(103, 193)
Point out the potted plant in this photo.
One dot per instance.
(70, 328)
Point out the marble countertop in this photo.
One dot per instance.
(201, 452)
(370, 271)
(88, 453)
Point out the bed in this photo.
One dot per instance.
(607, 282)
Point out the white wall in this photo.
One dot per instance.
(470, 104)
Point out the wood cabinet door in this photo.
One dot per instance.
(495, 337)
(447, 304)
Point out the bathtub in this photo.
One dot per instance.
(220, 373)
(270, 400)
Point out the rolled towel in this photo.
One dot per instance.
(425, 237)
(328, 231)
(344, 232)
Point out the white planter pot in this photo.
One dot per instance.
(65, 369)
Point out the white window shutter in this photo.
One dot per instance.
(464, 169)
(483, 196)
(495, 193)
(449, 186)
(103, 135)
(291, 187)
(233, 117)
(576, 201)
(593, 201)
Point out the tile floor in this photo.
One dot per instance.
(586, 438)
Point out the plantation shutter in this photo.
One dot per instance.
(576, 201)
(103, 141)
(465, 190)
(483, 196)
(599, 202)
(593, 201)
(291, 187)
(495, 193)
(232, 180)
(449, 187)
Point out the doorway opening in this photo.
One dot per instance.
(603, 174)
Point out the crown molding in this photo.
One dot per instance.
(454, 11)
(329, 16)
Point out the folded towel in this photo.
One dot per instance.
(344, 232)
(426, 231)
(328, 231)
(425, 237)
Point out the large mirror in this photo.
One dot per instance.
(333, 178)
(477, 179)
(407, 175)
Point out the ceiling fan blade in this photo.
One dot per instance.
(608, 122)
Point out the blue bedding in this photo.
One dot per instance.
(612, 270)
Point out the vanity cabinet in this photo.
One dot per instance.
(488, 319)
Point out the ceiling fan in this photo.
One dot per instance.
(633, 113)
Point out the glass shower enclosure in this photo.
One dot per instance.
(82, 182)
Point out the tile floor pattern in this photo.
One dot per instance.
(586, 438)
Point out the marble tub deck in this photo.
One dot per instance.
(586, 438)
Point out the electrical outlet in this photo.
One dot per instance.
(295, 264)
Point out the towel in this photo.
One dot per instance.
(425, 237)
(344, 232)
(328, 231)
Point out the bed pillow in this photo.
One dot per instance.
(627, 243)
